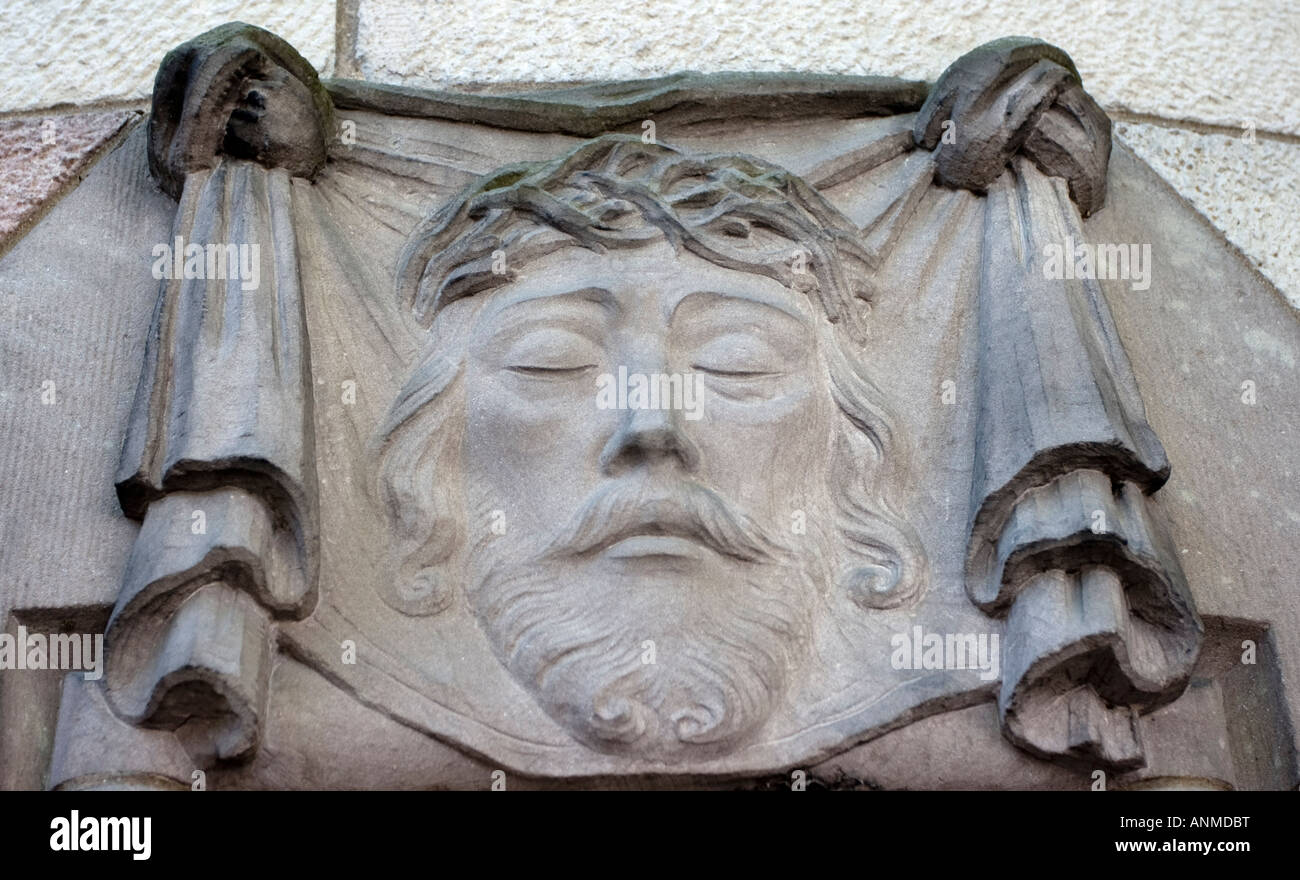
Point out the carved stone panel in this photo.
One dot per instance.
(689, 431)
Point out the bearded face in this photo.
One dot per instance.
(648, 573)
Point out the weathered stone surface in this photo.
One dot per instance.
(56, 324)
(40, 156)
(922, 486)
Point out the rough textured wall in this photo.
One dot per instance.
(1206, 60)
(1204, 90)
(79, 51)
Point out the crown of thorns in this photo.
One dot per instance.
(617, 191)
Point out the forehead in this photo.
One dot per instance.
(652, 276)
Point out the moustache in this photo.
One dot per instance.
(681, 509)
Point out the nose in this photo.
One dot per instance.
(647, 435)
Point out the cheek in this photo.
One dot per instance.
(542, 417)
(532, 449)
(768, 454)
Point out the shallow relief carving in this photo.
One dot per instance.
(623, 451)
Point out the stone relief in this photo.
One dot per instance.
(695, 429)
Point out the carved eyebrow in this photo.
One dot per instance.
(759, 299)
(598, 295)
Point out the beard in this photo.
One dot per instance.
(665, 662)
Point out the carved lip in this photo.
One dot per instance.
(662, 538)
(648, 545)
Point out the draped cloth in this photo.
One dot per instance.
(218, 459)
(218, 465)
(1100, 625)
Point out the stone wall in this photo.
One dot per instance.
(1203, 90)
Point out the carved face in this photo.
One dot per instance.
(644, 565)
(644, 455)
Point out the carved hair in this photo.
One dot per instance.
(616, 192)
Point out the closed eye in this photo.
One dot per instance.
(551, 372)
(734, 374)
(737, 356)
